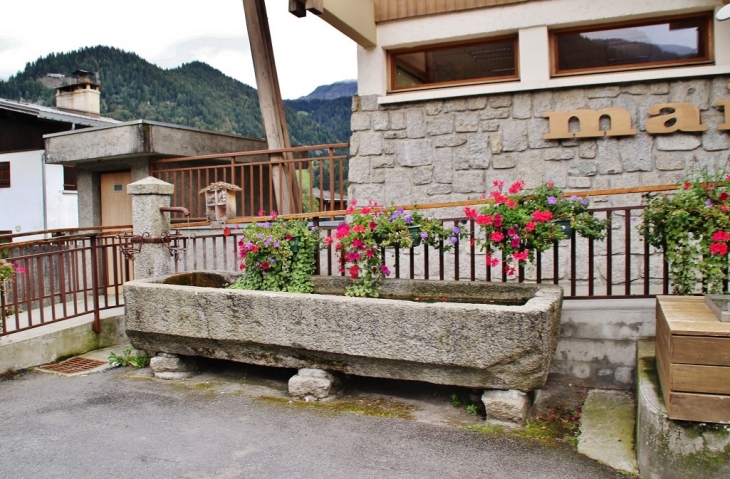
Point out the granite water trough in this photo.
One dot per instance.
(487, 335)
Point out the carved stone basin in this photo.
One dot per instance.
(486, 335)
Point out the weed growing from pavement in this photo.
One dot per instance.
(140, 359)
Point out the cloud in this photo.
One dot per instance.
(201, 48)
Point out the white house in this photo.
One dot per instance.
(34, 195)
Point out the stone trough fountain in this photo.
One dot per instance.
(495, 336)
(488, 335)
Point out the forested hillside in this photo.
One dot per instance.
(194, 94)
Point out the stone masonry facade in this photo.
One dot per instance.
(451, 150)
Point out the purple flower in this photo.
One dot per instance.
(453, 239)
(552, 200)
(424, 235)
(276, 244)
(584, 201)
(708, 202)
(455, 229)
(574, 198)
(272, 260)
(408, 218)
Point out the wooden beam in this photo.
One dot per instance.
(270, 102)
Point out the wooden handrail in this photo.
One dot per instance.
(329, 214)
(293, 149)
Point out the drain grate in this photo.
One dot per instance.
(74, 365)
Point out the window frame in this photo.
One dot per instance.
(5, 166)
(67, 185)
(443, 46)
(708, 58)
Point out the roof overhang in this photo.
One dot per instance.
(354, 18)
(141, 138)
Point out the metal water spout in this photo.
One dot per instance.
(175, 209)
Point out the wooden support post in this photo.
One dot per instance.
(271, 104)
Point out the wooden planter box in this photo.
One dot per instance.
(693, 360)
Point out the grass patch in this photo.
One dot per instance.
(558, 424)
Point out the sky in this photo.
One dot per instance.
(308, 51)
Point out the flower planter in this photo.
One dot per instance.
(566, 226)
(414, 231)
(479, 344)
(294, 244)
(692, 357)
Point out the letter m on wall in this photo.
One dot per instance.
(589, 122)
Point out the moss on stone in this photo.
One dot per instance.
(376, 407)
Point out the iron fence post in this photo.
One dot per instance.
(95, 284)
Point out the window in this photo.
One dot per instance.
(454, 64)
(630, 46)
(4, 174)
(69, 178)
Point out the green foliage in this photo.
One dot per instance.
(7, 271)
(130, 357)
(278, 255)
(455, 401)
(692, 227)
(548, 197)
(194, 95)
(472, 409)
(374, 227)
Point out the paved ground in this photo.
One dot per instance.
(120, 423)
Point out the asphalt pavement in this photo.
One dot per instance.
(116, 424)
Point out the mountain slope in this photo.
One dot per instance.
(346, 88)
(194, 94)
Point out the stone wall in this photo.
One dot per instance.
(451, 150)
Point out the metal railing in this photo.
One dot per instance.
(63, 278)
(315, 177)
(79, 274)
(621, 266)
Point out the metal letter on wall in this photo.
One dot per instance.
(726, 105)
(589, 123)
(684, 117)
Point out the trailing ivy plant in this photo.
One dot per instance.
(692, 227)
(277, 255)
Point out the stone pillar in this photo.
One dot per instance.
(148, 195)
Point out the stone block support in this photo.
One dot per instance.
(315, 383)
(506, 406)
(148, 196)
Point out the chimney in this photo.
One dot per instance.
(80, 95)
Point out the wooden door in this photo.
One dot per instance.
(116, 210)
(116, 204)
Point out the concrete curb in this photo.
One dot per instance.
(668, 449)
(62, 339)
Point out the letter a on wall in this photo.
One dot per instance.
(683, 117)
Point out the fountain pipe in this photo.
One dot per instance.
(175, 209)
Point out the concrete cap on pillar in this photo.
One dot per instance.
(150, 186)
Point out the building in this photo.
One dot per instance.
(34, 195)
(587, 93)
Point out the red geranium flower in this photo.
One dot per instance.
(718, 248)
(721, 236)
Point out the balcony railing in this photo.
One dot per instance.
(314, 176)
